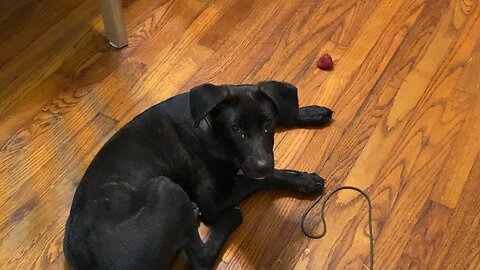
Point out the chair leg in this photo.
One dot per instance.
(114, 23)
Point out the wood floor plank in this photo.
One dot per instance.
(448, 190)
(14, 39)
(461, 239)
(425, 237)
(37, 198)
(23, 74)
(42, 148)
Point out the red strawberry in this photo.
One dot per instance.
(325, 62)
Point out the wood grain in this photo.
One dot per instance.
(405, 91)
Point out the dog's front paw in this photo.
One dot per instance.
(310, 182)
(314, 115)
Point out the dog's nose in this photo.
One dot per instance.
(262, 166)
(261, 163)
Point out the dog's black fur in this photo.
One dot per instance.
(134, 208)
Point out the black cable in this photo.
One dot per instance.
(304, 216)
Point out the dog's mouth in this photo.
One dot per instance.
(260, 177)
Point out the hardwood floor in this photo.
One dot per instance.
(405, 91)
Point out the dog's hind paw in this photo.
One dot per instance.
(235, 216)
(229, 219)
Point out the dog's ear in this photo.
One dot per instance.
(204, 98)
(284, 97)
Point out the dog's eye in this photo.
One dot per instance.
(268, 123)
(235, 128)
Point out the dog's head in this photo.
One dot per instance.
(242, 118)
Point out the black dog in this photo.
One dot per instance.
(133, 208)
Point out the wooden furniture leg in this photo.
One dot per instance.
(115, 28)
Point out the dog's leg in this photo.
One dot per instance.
(203, 255)
(282, 179)
(164, 223)
(313, 116)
